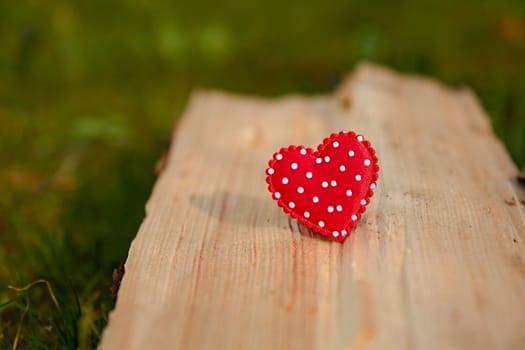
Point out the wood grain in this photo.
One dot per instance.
(436, 263)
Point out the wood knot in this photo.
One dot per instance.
(521, 177)
(346, 101)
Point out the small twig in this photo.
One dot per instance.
(118, 274)
(49, 288)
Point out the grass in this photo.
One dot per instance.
(89, 92)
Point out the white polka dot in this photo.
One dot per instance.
(309, 175)
(339, 208)
(321, 223)
(324, 184)
(373, 186)
(349, 193)
(294, 166)
(285, 180)
(291, 205)
(302, 151)
(333, 183)
(351, 153)
(358, 177)
(327, 159)
(342, 168)
(367, 162)
(330, 209)
(277, 195)
(363, 201)
(300, 189)
(279, 156)
(315, 199)
(270, 171)
(354, 217)
(360, 138)
(335, 144)
(344, 233)
(306, 214)
(335, 234)
(318, 160)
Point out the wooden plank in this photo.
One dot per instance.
(436, 263)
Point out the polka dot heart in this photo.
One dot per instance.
(327, 190)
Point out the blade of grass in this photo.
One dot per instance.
(30, 285)
(19, 329)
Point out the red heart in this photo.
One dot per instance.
(326, 190)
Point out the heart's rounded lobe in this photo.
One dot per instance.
(327, 190)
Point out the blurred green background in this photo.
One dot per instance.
(89, 91)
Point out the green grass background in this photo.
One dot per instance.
(89, 91)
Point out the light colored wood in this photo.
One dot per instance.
(436, 263)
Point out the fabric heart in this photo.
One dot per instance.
(327, 190)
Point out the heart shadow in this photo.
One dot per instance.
(242, 209)
(249, 210)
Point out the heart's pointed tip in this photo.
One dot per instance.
(341, 239)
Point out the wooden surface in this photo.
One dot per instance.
(436, 263)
